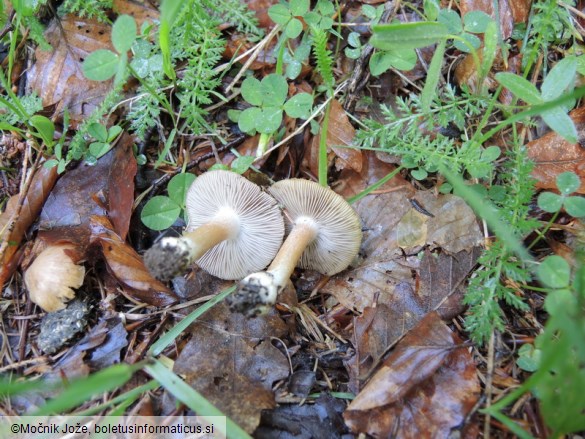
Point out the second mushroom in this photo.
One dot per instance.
(324, 234)
(234, 229)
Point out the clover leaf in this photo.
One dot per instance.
(268, 98)
(567, 183)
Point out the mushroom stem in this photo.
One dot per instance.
(258, 291)
(302, 234)
(207, 236)
(172, 256)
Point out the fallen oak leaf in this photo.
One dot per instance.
(231, 361)
(425, 388)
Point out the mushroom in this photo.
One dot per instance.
(234, 229)
(52, 275)
(324, 234)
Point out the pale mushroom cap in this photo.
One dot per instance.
(261, 227)
(339, 228)
(51, 277)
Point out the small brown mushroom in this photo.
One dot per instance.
(324, 234)
(52, 275)
(234, 229)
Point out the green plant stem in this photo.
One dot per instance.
(280, 58)
(487, 211)
(543, 231)
(130, 395)
(375, 186)
(323, 147)
(533, 111)
(160, 98)
(262, 142)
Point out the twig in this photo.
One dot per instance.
(253, 57)
(25, 183)
(306, 122)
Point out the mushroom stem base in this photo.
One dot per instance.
(173, 256)
(258, 292)
(255, 295)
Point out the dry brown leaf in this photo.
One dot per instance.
(56, 75)
(340, 132)
(128, 267)
(385, 275)
(439, 287)
(104, 189)
(40, 187)
(509, 12)
(425, 388)
(373, 169)
(553, 155)
(445, 273)
(260, 7)
(230, 360)
(141, 11)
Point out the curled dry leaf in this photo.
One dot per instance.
(424, 389)
(56, 75)
(52, 275)
(127, 266)
(39, 190)
(230, 360)
(553, 155)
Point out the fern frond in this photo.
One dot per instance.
(90, 9)
(235, 12)
(323, 57)
(202, 46)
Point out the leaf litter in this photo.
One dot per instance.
(418, 249)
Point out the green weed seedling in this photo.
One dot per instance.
(559, 80)
(161, 212)
(103, 140)
(294, 60)
(239, 165)
(286, 15)
(474, 22)
(103, 64)
(355, 47)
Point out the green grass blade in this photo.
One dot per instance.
(375, 186)
(82, 390)
(487, 211)
(170, 336)
(130, 395)
(408, 35)
(191, 398)
(430, 89)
